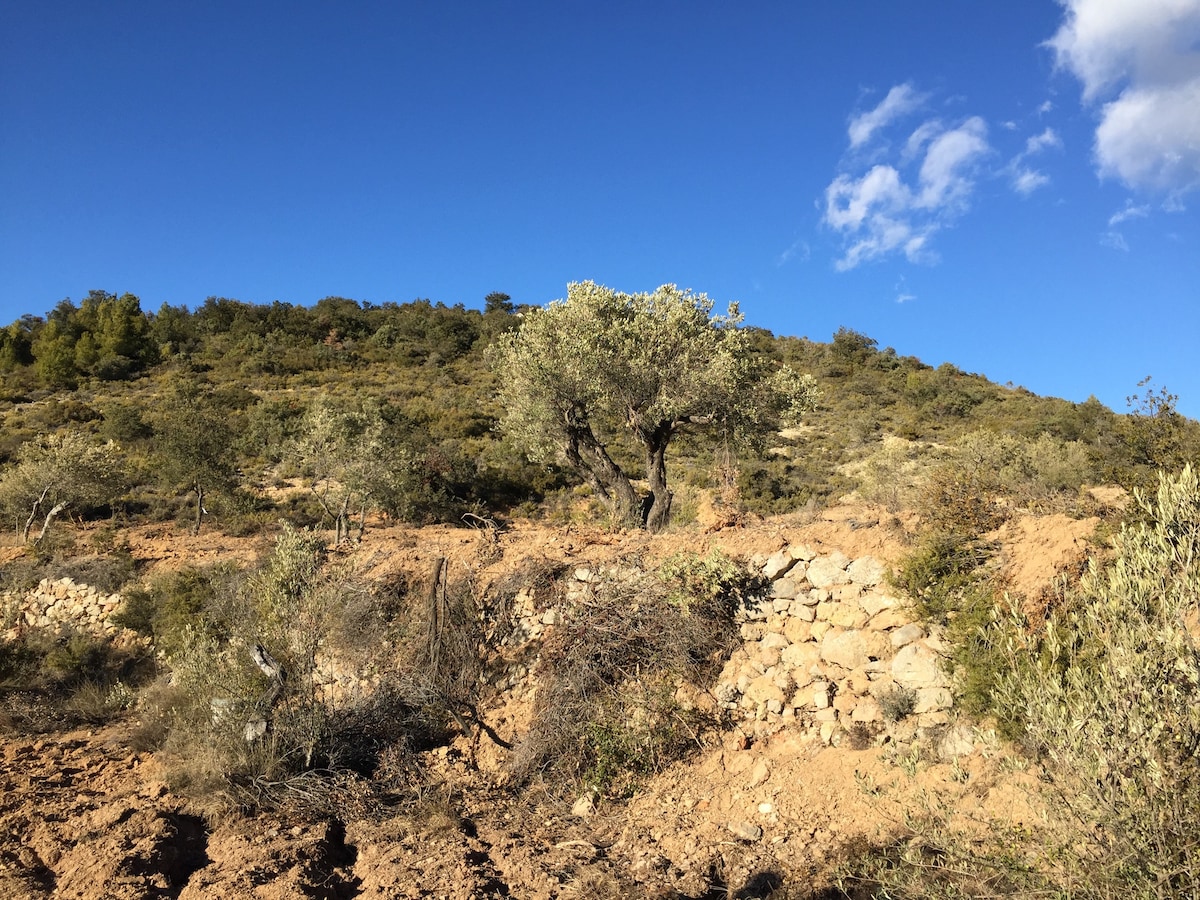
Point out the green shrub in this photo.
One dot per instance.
(937, 571)
(238, 735)
(898, 703)
(714, 584)
(1110, 696)
(1107, 697)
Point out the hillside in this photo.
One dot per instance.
(288, 612)
(251, 375)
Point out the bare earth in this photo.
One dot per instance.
(84, 816)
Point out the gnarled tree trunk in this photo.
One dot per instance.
(656, 509)
(589, 457)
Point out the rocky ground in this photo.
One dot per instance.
(769, 807)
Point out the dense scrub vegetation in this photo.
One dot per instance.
(393, 408)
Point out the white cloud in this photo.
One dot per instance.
(1026, 181)
(896, 208)
(922, 135)
(946, 172)
(1039, 142)
(1046, 107)
(1129, 212)
(1115, 240)
(798, 250)
(1151, 138)
(900, 101)
(1145, 54)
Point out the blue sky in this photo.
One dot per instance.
(1010, 187)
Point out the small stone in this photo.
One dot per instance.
(765, 809)
(844, 703)
(804, 613)
(797, 631)
(763, 690)
(583, 807)
(802, 552)
(859, 682)
(768, 657)
(846, 591)
(777, 641)
(820, 696)
(957, 741)
(745, 831)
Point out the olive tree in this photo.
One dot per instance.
(194, 443)
(650, 365)
(55, 472)
(350, 463)
(1110, 698)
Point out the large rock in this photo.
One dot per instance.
(866, 570)
(777, 564)
(785, 589)
(875, 603)
(906, 634)
(826, 571)
(916, 667)
(846, 649)
(846, 615)
(889, 619)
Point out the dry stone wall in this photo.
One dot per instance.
(60, 604)
(832, 649)
(828, 648)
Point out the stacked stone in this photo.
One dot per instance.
(61, 604)
(829, 647)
